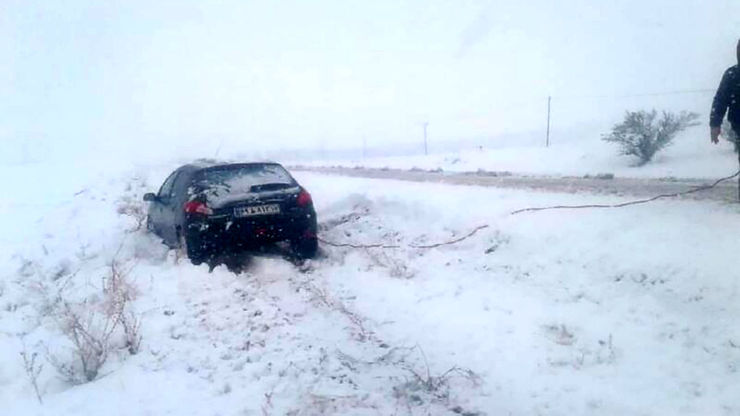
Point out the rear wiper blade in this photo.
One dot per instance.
(269, 187)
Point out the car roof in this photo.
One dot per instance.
(202, 164)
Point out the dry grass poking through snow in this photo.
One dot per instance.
(93, 326)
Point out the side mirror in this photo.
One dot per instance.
(150, 197)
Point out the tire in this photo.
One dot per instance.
(305, 248)
(195, 258)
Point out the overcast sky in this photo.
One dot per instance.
(125, 75)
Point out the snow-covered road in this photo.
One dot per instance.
(725, 191)
(629, 311)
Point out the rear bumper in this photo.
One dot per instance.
(207, 237)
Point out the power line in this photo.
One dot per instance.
(532, 100)
(644, 94)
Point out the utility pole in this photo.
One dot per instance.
(426, 151)
(547, 141)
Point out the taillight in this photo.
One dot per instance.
(304, 198)
(197, 207)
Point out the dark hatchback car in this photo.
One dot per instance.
(207, 209)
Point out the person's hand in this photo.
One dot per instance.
(714, 134)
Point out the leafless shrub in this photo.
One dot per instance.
(91, 327)
(133, 209)
(48, 293)
(132, 330)
(90, 333)
(423, 386)
(117, 289)
(33, 369)
(416, 385)
(119, 292)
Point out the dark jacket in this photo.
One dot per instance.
(727, 97)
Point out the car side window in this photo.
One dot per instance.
(180, 185)
(166, 190)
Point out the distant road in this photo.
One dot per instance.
(637, 187)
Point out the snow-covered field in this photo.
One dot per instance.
(611, 312)
(691, 156)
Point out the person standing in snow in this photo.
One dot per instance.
(726, 98)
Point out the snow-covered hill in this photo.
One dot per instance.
(629, 311)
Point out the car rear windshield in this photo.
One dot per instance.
(244, 178)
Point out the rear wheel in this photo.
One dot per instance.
(305, 248)
(195, 257)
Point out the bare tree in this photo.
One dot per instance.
(643, 134)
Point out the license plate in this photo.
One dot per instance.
(256, 210)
